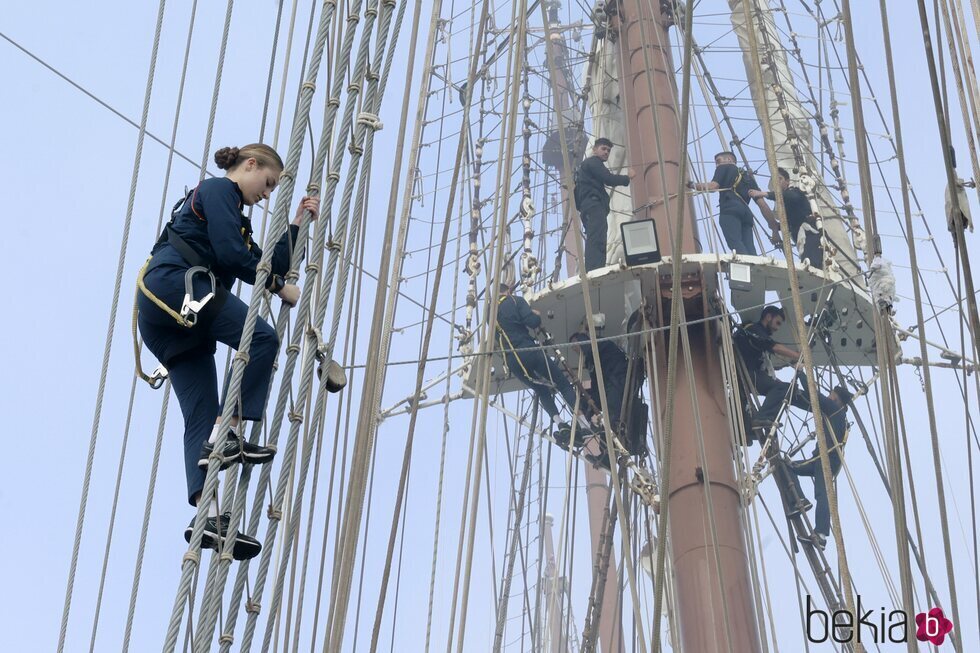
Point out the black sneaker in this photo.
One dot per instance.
(563, 435)
(231, 453)
(257, 454)
(804, 505)
(215, 529)
(816, 539)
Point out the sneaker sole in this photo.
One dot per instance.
(225, 463)
(258, 458)
(245, 548)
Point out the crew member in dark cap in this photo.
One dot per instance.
(834, 410)
(592, 200)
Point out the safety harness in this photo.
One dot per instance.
(191, 309)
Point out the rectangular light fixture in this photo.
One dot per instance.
(740, 276)
(640, 242)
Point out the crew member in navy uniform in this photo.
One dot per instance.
(800, 220)
(734, 215)
(205, 248)
(533, 367)
(592, 200)
(754, 344)
(834, 409)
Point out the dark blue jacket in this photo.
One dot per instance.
(212, 224)
(514, 318)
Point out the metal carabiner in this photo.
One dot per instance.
(190, 308)
(158, 376)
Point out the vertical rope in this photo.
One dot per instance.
(120, 265)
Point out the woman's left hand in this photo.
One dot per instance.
(311, 204)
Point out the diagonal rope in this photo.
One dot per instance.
(90, 460)
(263, 269)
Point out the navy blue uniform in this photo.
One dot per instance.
(212, 224)
(592, 201)
(798, 213)
(734, 215)
(534, 368)
(753, 342)
(835, 428)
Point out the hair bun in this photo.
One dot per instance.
(226, 157)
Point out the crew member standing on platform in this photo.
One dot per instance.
(754, 344)
(592, 200)
(799, 218)
(834, 409)
(203, 251)
(515, 319)
(734, 215)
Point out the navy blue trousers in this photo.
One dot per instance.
(813, 469)
(595, 223)
(195, 382)
(736, 225)
(537, 364)
(774, 392)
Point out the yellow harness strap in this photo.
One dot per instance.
(501, 336)
(154, 380)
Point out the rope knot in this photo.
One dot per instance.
(226, 638)
(313, 189)
(293, 348)
(226, 557)
(332, 102)
(370, 120)
(295, 417)
(355, 149)
(333, 176)
(274, 513)
(264, 266)
(252, 607)
(308, 86)
(354, 87)
(313, 268)
(192, 558)
(243, 357)
(333, 245)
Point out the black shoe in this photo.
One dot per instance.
(563, 435)
(231, 453)
(803, 506)
(257, 454)
(816, 539)
(216, 529)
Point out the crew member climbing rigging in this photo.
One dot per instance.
(207, 246)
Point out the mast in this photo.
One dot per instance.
(715, 609)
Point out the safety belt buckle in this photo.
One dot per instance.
(190, 308)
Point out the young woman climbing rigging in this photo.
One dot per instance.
(185, 308)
